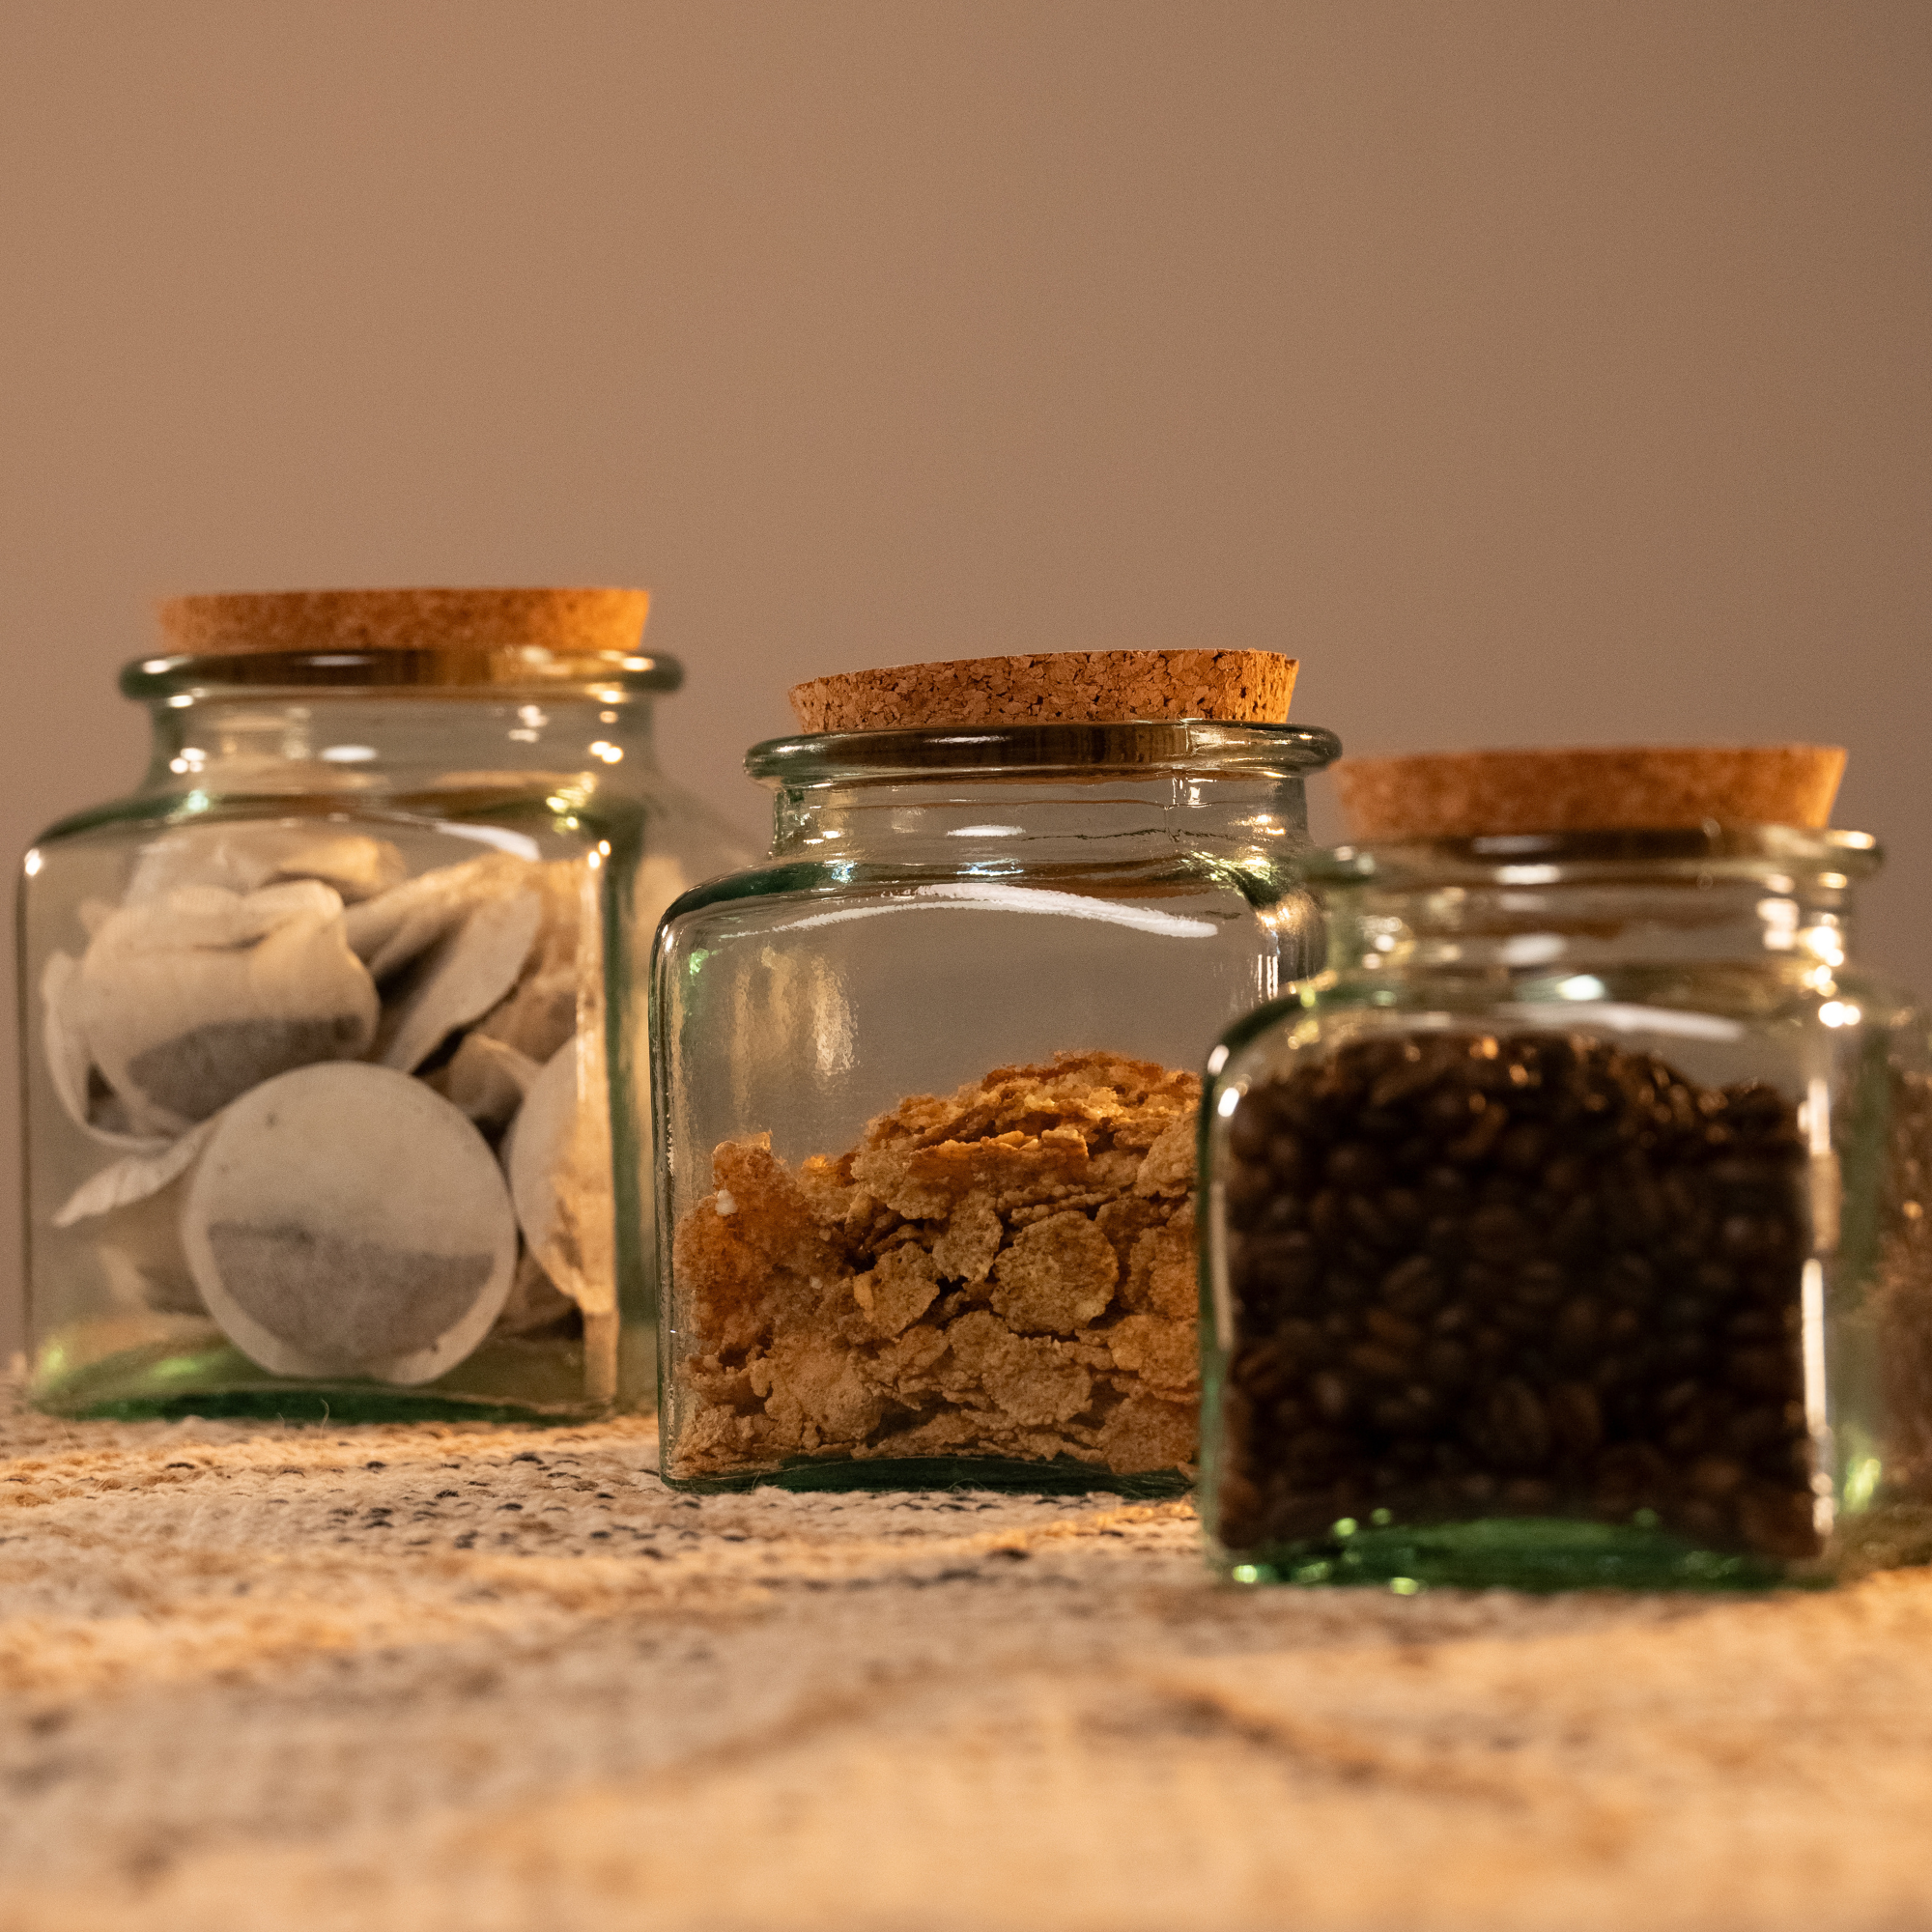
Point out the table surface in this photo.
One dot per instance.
(482, 1677)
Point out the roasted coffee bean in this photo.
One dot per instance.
(1484, 1133)
(1714, 1477)
(1369, 1219)
(1413, 1076)
(1282, 1212)
(1518, 1426)
(1355, 1168)
(1523, 1148)
(1541, 1284)
(1577, 1419)
(1333, 1395)
(1445, 1191)
(1286, 1160)
(1578, 1331)
(1499, 1236)
(1328, 1217)
(1412, 1288)
(1538, 1274)
(1248, 1133)
(1251, 1193)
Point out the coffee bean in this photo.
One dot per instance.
(1332, 1394)
(1415, 1075)
(1541, 1284)
(1499, 1236)
(1533, 1273)
(1412, 1288)
(1328, 1217)
(1369, 1219)
(1578, 1328)
(1577, 1419)
(1392, 1331)
(1714, 1477)
(1522, 1148)
(1760, 1371)
(1529, 1496)
(1483, 1134)
(1356, 1167)
(1445, 1191)
(1248, 1133)
(1378, 1363)
(1518, 1426)
(1567, 1175)
(1251, 1192)
(1449, 1111)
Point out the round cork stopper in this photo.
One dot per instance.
(1052, 688)
(572, 621)
(1633, 788)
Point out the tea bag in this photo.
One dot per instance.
(85, 1096)
(243, 858)
(539, 1012)
(185, 1003)
(486, 1079)
(345, 1220)
(557, 1155)
(387, 932)
(458, 979)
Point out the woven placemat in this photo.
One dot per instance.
(488, 1678)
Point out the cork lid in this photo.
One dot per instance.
(577, 622)
(1052, 688)
(1468, 794)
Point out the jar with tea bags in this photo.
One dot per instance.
(927, 1079)
(1569, 1229)
(320, 1115)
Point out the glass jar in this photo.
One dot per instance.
(307, 1019)
(927, 1098)
(1568, 1228)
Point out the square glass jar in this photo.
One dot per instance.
(1568, 1230)
(320, 1110)
(926, 1093)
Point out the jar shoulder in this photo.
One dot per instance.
(1750, 992)
(547, 814)
(781, 891)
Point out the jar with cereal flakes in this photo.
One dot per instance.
(926, 1081)
(316, 1028)
(1569, 1229)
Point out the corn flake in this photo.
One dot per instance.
(1005, 1271)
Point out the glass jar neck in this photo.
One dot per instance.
(1010, 821)
(1006, 797)
(1779, 899)
(364, 742)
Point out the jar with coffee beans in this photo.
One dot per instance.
(1570, 1229)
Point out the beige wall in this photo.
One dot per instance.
(1549, 370)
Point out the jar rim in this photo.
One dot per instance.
(1059, 750)
(505, 672)
(1687, 852)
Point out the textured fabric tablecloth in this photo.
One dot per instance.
(479, 1678)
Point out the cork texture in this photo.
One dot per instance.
(503, 1680)
(563, 621)
(1053, 688)
(1464, 794)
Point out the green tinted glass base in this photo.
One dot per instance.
(1062, 1476)
(503, 1381)
(1532, 1554)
